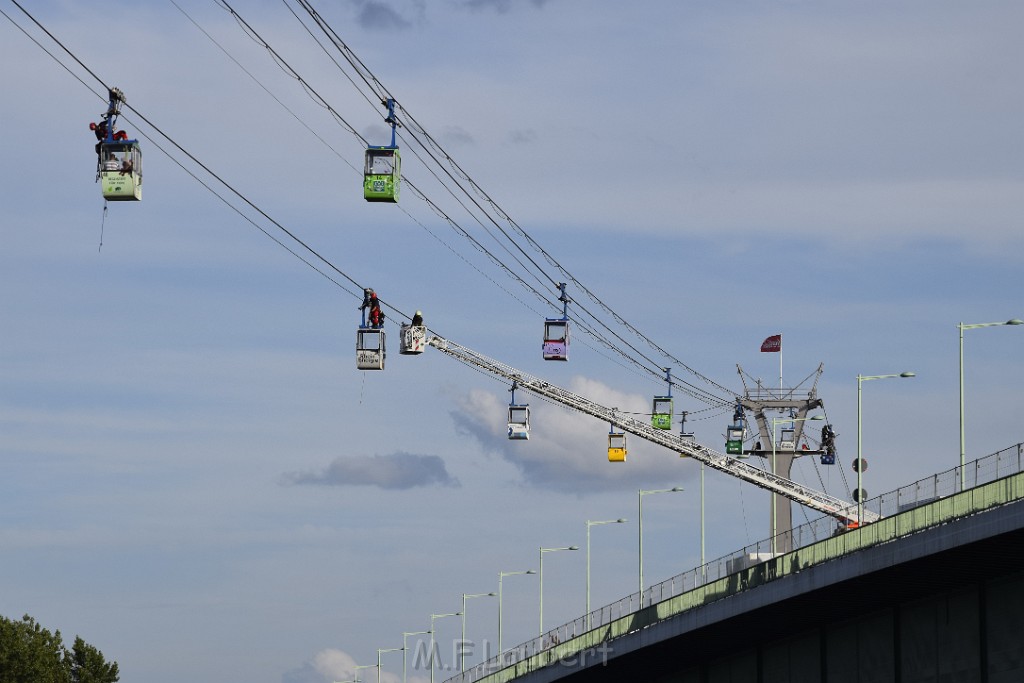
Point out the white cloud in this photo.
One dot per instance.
(567, 451)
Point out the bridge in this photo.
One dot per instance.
(931, 591)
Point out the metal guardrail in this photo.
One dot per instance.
(998, 465)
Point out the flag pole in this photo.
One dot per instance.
(780, 366)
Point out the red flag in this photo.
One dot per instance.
(772, 344)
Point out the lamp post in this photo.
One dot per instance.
(357, 668)
(775, 500)
(462, 645)
(640, 527)
(962, 327)
(860, 462)
(380, 650)
(432, 631)
(542, 551)
(405, 648)
(502, 575)
(590, 524)
(703, 562)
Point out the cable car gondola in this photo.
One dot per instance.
(556, 331)
(616, 445)
(370, 343)
(518, 418)
(736, 433)
(383, 171)
(661, 413)
(661, 410)
(118, 159)
(685, 436)
(370, 348)
(787, 441)
(828, 445)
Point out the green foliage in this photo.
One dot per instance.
(87, 664)
(31, 654)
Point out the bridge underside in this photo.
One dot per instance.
(946, 604)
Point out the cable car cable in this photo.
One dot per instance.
(264, 88)
(362, 70)
(323, 102)
(223, 182)
(367, 76)
(199, 163)
(284, 63)
(293, 73)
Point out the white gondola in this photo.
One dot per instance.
(370, 349)
(119, 160)
(518, 421)
(413, 339)
(120, 171)
(787, 442)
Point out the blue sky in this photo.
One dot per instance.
(197, 479)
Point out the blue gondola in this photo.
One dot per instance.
(828, 445)
(382, 174)
(118, 159)
(518, 418)
(556, 331)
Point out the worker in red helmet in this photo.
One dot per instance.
(100, 129)
(371, 301)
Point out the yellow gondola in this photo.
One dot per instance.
(616, 446)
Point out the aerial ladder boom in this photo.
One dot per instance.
(816, 500)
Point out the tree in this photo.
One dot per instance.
(29, 653)
(86, 664)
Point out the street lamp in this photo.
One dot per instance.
(502, 575)
(405, 648)
(390, 649)
(365, 666)
(432, 617)
(590, 524)
(860, 462)
(640, 526)
(462, 645)
(776, 421)
(542, 551)
(962, 327)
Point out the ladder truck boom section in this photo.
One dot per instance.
(822, 502)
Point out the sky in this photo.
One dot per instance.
(197, 479)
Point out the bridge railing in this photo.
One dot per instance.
(998, 465)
